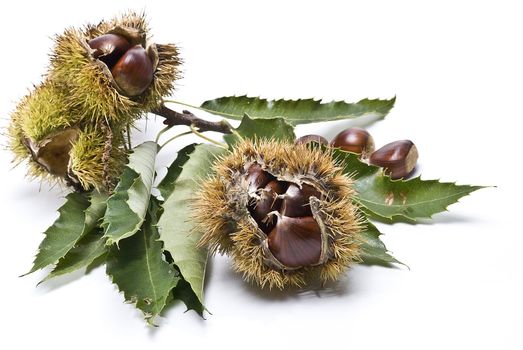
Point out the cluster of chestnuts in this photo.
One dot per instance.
(283, 212)
(74, 126)
(130, 65)
(397, 158)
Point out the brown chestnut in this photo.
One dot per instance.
(296, 201)
(267, 203)
(311, 138)
(296, 242)
(355, 140)
(398, 158)
(108, 48)
(133, 73)
(257, 177)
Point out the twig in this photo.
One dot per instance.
(187, 118)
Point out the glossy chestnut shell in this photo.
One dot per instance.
(108, 48)
(398, 158)
(133, 73)
(356, 140)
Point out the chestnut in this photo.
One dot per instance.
(108, 48)
(267, 203)
(311, 138)
(257, 177)
(296, 201)
(133, 73)
(398, 158)
(355, 140)
(296, 242)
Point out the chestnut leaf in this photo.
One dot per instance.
(84, 253)
(373, 250)
(90, 245)
(270, 128)
(297, 111)
(127, 207)
(137, 267)
(77, 217)
(397, 200)
(175, 225)
(166, 186)
(184, 292)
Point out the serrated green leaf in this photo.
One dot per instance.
(389, 199)
(184, 292)
(87, 250)
(271, 128)
(64, 233)
(87, 246)
(96, 210)
(175, 226)
(127, 207)
(296, 111)
(166, 186)
(136, 266)
(373, 250)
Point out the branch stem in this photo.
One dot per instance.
(187, 118)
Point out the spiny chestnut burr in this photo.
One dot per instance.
(312, 138)
(108, 48)
(356, 140)
(83, 62)
(283, 211)
(398, 158)
(133, 73)
(71, 128)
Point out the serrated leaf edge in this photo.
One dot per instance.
(320, 101)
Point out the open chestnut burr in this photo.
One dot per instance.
(130, 65)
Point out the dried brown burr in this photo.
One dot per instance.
(283, 211)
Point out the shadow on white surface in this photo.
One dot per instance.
(314, 289)
(53, 284)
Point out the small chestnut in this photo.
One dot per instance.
(267, 203)
(108, 48)
(257, 177)
(133, 73)
(311, 138)
(398, 158)
(355, 140)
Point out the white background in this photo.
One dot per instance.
(456, 68)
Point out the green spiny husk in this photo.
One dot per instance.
(71, 127)
(38, 118)
(97, 157)
(44, 111)
(89, 82)
(58, 143)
